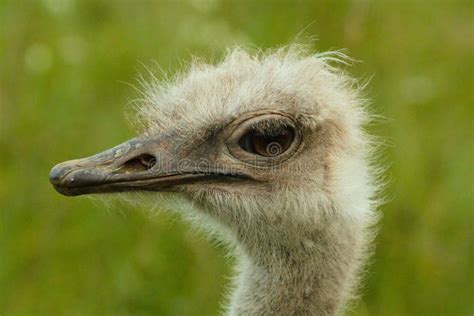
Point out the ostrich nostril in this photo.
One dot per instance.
(148, 160)
(141, 163)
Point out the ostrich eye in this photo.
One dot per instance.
(270, 144)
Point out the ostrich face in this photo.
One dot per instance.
(250, 128)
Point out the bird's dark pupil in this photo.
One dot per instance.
(267, 145)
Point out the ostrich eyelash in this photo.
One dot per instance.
(270, 127)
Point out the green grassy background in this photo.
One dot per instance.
(64, 69)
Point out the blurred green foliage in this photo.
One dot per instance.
(64, 66)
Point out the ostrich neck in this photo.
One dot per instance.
(312, 276)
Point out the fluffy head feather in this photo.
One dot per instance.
(268, 151)
(320, 202)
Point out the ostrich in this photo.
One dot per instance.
(268, 151)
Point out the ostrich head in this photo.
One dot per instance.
(268, 150)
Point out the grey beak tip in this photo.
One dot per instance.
(68, 178)
(55, 174)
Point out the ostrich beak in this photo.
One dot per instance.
(136, 165)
